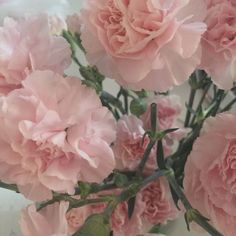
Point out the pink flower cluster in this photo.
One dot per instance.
(210, 172)
(54, 131)
(153, 205)
(130, 146)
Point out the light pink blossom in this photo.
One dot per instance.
(169, 109)
(158, 203)
(210, 172)
(50, 221)
(130, 146)
(144, 44)
(27, 45)
(219, 43)
(120, 222)
(76, 218)
(53, 132)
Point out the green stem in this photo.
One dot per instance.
(229, 105)
(146, 155)
(107, 97)
(200, 102)
(190, 104)
(11, 187)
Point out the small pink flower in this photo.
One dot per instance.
(28, 45)
(74, 23)
(144, 44)
(129, 146)
(53, 132)
(120, 222)
(168, 111)
(158, 203)
(219, 43)
(76, 218)
(210, 172)
(50, 221)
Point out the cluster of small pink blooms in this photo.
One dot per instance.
(146, 44)
(49, 141)
(210, 172)
(27, 45)
(130, 145)
(219, 42)
(153, 205)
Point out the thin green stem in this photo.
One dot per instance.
(11, 187)
(229, 105)
(190, 104)
(146, 155)
(205, 91)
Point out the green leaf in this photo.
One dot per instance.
(97, 224)
(120, 179)
(85, 189)
(131, 205)
(138, 106)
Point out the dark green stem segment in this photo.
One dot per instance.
(190, 104)
(11, 187)
(146, 155)
(229, 106)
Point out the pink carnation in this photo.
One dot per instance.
(76, 218)
(169, 109)
(210, 172)
(120, 222)
(50, 221)
(219, 43)
(158, 203)
(144, 44)
(54, 132)
(129, 146)
(28, 45)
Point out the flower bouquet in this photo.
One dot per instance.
(102, 163)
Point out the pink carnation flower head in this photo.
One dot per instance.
(27, 45)
(130, 146)
(219, 43)
(50, 221)
(210, 172)
(54, 132)
(158, 203)
(144, 44)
